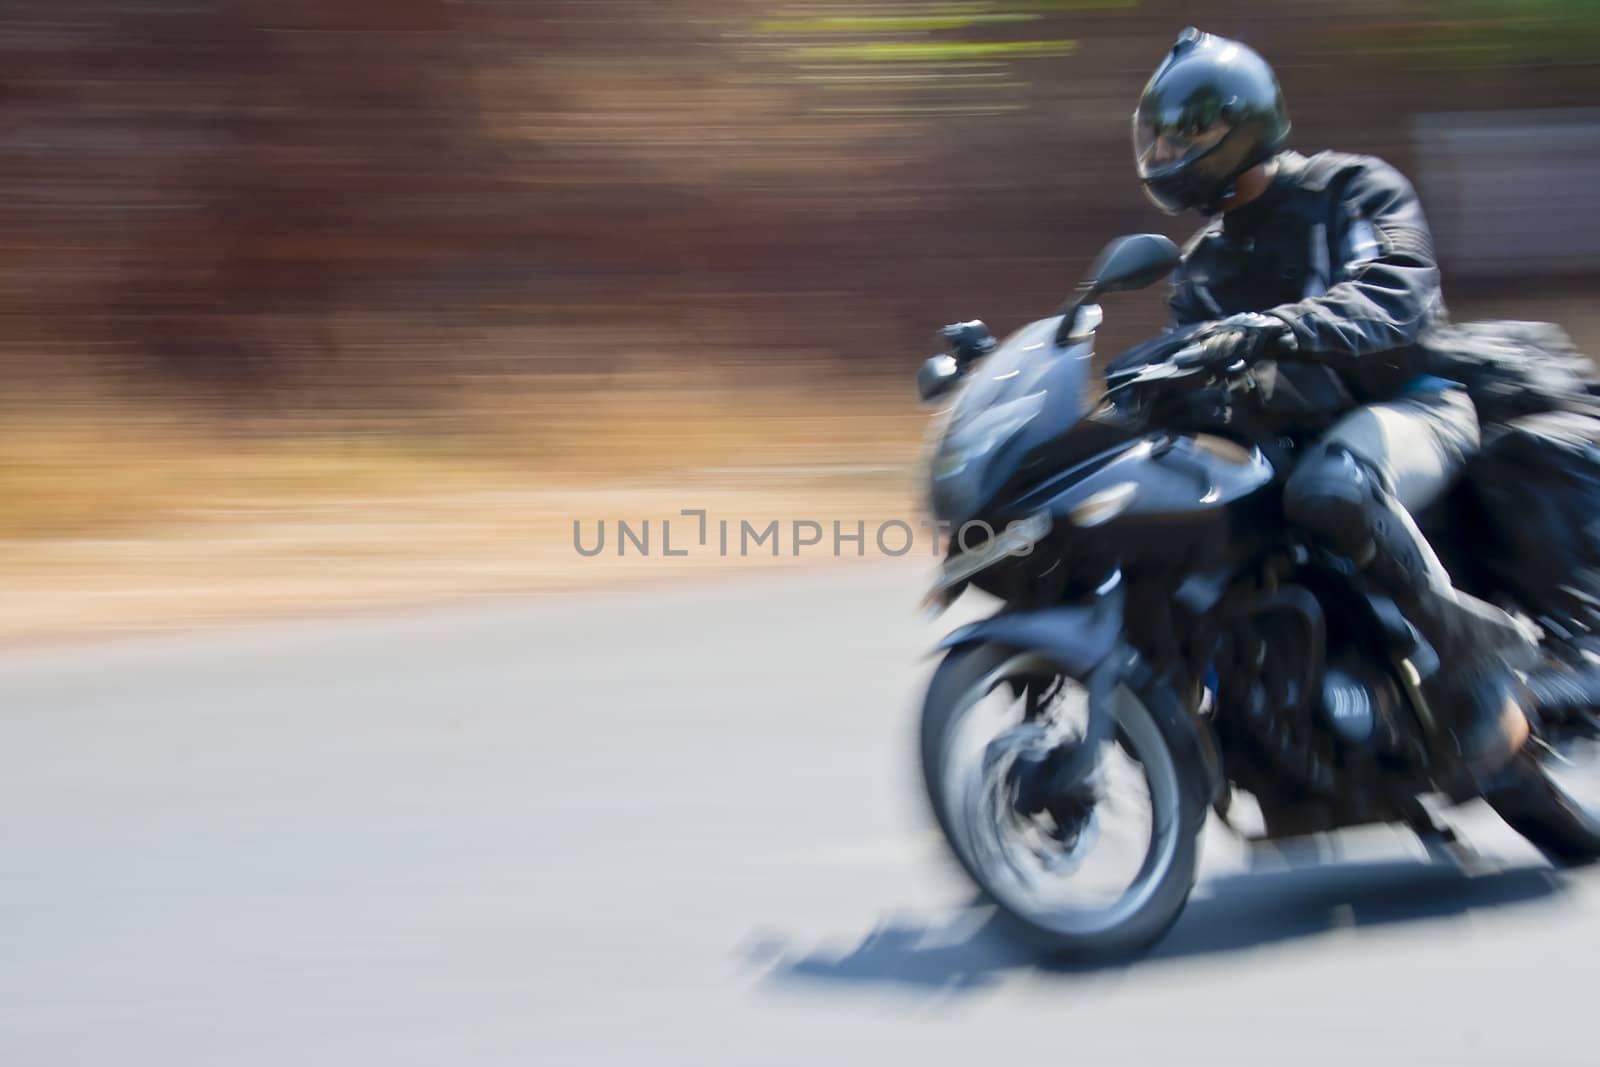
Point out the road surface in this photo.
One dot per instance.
(675, 825)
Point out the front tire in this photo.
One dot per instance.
(983, 835)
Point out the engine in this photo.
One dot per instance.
(1361, 704)
(1311, 728)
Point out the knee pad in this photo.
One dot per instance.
(1336, 498)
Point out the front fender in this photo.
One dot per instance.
(1081, 640)
(1076, 637)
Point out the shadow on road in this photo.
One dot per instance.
(1228, 914)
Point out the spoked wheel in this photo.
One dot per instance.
(1102, 867)
(1551, 793)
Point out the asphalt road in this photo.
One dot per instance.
(669, 826)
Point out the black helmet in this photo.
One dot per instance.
(1211, 111)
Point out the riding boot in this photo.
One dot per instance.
(1474, 691)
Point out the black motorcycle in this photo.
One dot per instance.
(1165, 639)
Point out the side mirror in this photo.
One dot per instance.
(936, 377)
(1126, 263)
(1131, 263)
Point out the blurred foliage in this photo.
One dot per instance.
(1482, 34)
(276, 203)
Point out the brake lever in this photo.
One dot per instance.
(1185, 364)
(1189, 357)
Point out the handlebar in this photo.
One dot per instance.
(1179, 391)
(1200, 356)
(1185, 364)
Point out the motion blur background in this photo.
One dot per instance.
(315, 306)
(310, 303)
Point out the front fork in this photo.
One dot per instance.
(1086, 642)
(1061, 779)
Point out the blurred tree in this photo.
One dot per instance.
(328, 199)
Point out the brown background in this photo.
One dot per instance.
(251, 199)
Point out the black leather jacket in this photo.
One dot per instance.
(1337, 248)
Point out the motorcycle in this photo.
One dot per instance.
(1166, 640)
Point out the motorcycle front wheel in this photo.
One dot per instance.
(1101, 872)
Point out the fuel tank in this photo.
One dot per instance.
(1162, 481)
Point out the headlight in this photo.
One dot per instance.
(984, 434)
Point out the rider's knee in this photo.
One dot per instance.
(1335, 498)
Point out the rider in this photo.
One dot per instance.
(1320, 271)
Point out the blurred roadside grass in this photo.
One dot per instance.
(122, 516)
(93, 466)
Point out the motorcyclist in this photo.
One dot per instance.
(1320, 271)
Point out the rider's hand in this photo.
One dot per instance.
(1237, 339)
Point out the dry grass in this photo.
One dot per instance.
(120, 519)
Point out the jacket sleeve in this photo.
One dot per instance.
(1184, 306)
(1383, 298)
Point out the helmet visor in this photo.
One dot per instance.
(1161, 147)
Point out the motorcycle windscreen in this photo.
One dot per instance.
(1027, 362)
